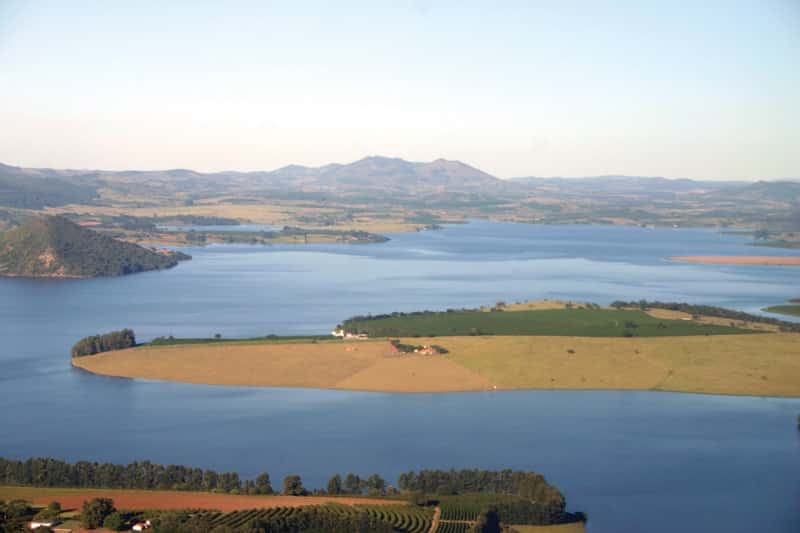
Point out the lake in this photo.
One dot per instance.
(634, 461)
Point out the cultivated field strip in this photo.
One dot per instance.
(453, 527)
(403, 518)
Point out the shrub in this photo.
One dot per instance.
(114, 522)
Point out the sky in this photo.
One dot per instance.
(563, 88)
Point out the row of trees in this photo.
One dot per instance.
(354, 484)
(49, 472)
(146, 475)
(115, 340)
(708, 310)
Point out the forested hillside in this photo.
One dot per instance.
(55, 247)
(25, 191)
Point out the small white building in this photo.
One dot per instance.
(142, 526)
(43, 523)
(342, 334)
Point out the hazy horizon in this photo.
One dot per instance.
(343, 163)
(525, 89)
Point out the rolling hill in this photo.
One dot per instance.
(36, 189)
(54, 247)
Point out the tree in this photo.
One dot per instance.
(115, 340)
(95, 511)
(293, 486)
(335, 483)
(352, 483)
(376, 484)
(263, 485)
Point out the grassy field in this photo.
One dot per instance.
(582, 322)
(792, 310)
(356, 365)
(762, 365)
(766, 364)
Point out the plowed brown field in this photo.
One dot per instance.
(141, 499)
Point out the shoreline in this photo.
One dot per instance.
(442, 392)
(760, 260)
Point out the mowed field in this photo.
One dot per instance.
(766, 364)
(760, 365)
(355, 365)
(165, 500)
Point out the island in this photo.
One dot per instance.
(54, 247)
(560, 345)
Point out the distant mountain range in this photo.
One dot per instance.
(371, 177)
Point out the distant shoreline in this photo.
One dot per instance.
(739, 260)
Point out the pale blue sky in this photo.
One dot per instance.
(671, 88)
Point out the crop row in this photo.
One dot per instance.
(453, 527)
(458, 511)
(410, 519)
(402, 518)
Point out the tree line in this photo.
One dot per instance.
(528, 485)
(50, 472)
(146, 475)
(115, 340)
(708, 310)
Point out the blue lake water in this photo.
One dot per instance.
(635, 461)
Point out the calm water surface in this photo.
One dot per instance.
(635, 461)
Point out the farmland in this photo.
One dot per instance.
(763, 365)
(401, 518)
(73, 498)
(582, 322)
